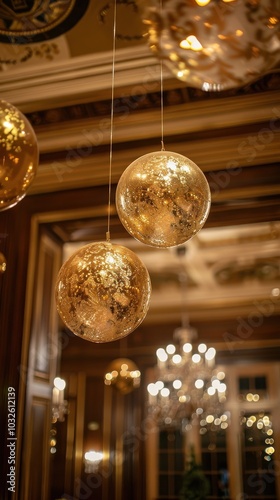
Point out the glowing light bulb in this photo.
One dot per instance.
(170, 349)
(159, 385)
(161, 354)
(210, 354)
(176, 359)
(187, 347)
(165, 392)
(152, 389)
(177, 384)
(196, 358)
(59, 383)
(199, 383)
(202, 348)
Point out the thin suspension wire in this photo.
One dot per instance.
(161, 93)
(161, 106)
(112, 122)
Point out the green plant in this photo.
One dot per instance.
(195, 484)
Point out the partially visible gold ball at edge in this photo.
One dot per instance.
(3, 263)
(19, 155)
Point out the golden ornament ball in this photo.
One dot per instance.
(123, 374)
(163, 199)
(19, 155)
(103, 292)
(215, 45)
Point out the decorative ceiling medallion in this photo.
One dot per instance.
(27, 21)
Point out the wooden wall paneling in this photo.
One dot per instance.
(71, 432)
(37, 451)
(151, 448)
(42, 347)
(71, 484)
(108, 486)
(79, 424)
(14, 243)
(44, 343)
(134, 438)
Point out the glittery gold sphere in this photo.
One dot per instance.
(102, 292)
(216, 44)
(163, 199)
(123, 374)
(3, 263)
(18, 155)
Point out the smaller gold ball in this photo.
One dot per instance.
(123, 374)
(163, 199)
(103, 292)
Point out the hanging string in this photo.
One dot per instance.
(161, 93)
(112, 122)
(161, 106)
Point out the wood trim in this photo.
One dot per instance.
(47, 247)
(191, 117)
(79, 79)
(78, 169)
(40, 442)
(79, 424)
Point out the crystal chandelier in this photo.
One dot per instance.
(189, 388)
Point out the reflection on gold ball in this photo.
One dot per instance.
(215, 45)
(103, 292)
(163, 199)
(18, 155)
(123, 374)
(3, 263)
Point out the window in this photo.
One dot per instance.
(239, 460)
(252, 389)
(171, 464)
(214, 462)
(258, 456)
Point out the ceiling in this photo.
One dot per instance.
(64, 87)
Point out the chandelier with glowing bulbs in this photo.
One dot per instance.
(189, 389)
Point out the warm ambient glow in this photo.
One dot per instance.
(59, 383)
(93, 456)
(92, 460)
(3, 263)
(123, 375)
(201, 3)
(192, 43)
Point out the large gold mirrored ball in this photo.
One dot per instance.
(163, 199)
(19, 155)
(215, 44)
(123, 374)
(103, 292)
